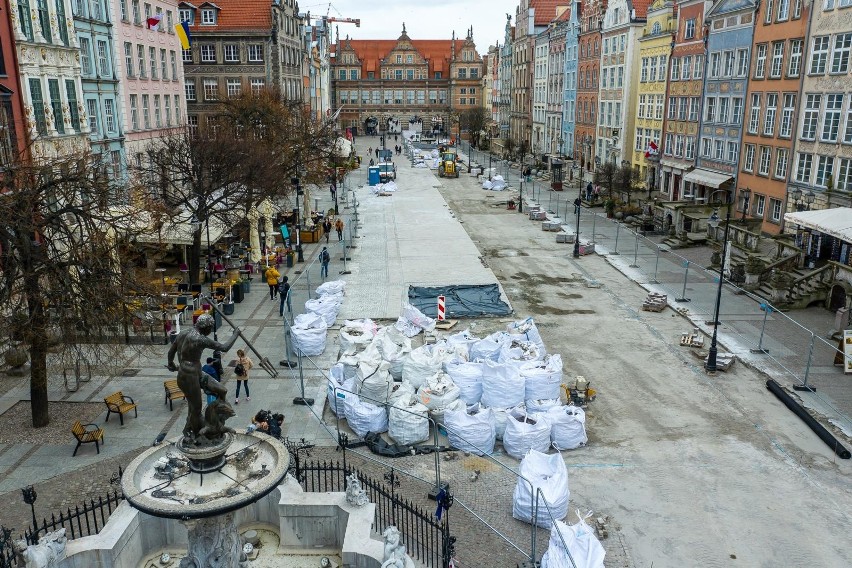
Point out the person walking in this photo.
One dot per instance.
(325, 258)
(338, 225)
(284, 295)
(241, 370)
(326, 228)
(210, 370)
(272, 277)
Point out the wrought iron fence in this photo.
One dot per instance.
(83, 520)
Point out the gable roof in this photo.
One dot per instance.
(641, 8)
(370, 52)
(234, 15)
(545, 10)
(728, 6)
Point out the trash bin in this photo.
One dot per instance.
(237, 293)
(228, 308)
(290, 260)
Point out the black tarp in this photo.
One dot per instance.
(462, 301)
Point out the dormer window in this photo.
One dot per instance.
(208, 17)
(187, 15)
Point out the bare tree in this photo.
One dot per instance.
(509, 146)
(474, 120)
(606, 175)
(247, 152)
(64, 282)
(627, 181)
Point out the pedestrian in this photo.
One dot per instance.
(372, 162)
(370, 150)
(326, 228)
(272, 277)
(241, 370)
(210, 370)
(339, 226)
(333, 192)
(589, 192)
(377, 152)
(325, 258)
(284, 295)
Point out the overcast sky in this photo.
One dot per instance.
(424, 19)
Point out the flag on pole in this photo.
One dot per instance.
(182, 31)
(154, 22)
(652, 149)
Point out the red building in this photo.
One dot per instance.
(588, 71)
(12, 129)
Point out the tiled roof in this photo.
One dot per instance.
(545, 10)
(641, 7)
(235, 15)
(437, 51)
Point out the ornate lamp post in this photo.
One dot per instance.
(30, 496)
(577, 231)
(713, 221)
(745, 194)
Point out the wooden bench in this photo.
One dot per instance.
(119, 403)
(85, 435)
(173, 392)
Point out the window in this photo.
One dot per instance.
(847, 132)
(844, 174)
(38, 106)
(748, 158)
(760, 63)
(44, 21)
(831, 122)
(668, 146)
(157, 118)
(825, 166)
(777, 59)
(109, 115)
(759, 205)
(699, 67)
(232, 52)
(186, 55)
(775, 206)
(689, 30)
(146, 111)
(767, 17)
(26, 23)
(474, 73)
(257, 85)
(771, 110)
(208, 17)
(128, 57)
(718, 150)
(71, 96)
(60, 21)
(681, 108)
(187, 15)
(137, 15)
(783, 10)
(732, 151)
(693, 109)
(234, 87)
(410, 58)
(765, 159)
(710, 110)
(147, 11)
(780, 163)
(152, 61)
(828, 5)
(652, 68)
(724, 104)
(754, 114)
(737, 105)
(170, 24)
(164, 71)
(397, 97)
(795, 65)
(341, 74)
(211, 90)
(715, 64)
(399, 58)
(178, 117)
(173, 60)
(86, 55)
(353, 74)
(255, 53)
(92, 109)
(742, 62)
(690, 148)
(56, 105)
(398, 74)
(96, 9)
(729, 64)
(804, 167)
(134, 112)
(208, 53)
(678, 151)
(840, 54)
(819, 55)
(811, 116)
(409, 74)
(786, 128)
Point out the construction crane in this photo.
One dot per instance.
(356, 21)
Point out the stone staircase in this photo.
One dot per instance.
(798, 288)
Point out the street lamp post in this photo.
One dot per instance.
(713, 221)
(300, 257)
(577, 232)
(745, 193)
(30, 496)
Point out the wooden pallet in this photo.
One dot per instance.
(446, 324)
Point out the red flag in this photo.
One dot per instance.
(154, 22)
(652, 149)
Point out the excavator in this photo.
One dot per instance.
(447, 167)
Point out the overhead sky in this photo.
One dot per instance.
(424, 19)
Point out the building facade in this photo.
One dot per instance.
(49, 74)
(541, 49)
(588, 75)
(823, 145)
(392, 82)
(622, 25)
(655, 46)
(288, 54)
(778, 63)
(569, 93)
(13, 142)
(318, 68)
(553, 139)
(683, 98)
(728, 54)
(504, 104)
(93, 24)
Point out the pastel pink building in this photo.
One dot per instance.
(150, 73)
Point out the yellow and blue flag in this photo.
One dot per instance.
(182, 31)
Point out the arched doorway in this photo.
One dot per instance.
(837, 298)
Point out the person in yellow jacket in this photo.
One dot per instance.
(272, 277)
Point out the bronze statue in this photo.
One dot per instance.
(189, 346)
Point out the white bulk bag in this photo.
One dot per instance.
(308, 333)
(408, 422)
(500, 417)
(401, 391)
(413, 321)
(488, 348)
(460, 343)
(529, 331)
(471, 430)
(585, 548)
(325, 306)
(519, 352)
(337, 373)
(439, 413)
(364, 417)
(468, 377)
(567, 427)
(542, 405)
(502, 385)
(547, 473)
(543, 379)
(525, 432)
(421, 364)
(337, 393)
(332, 287)
(356, 335)
(394, 347)
(438, 391)
(374, 382)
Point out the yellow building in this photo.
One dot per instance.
(654, 48)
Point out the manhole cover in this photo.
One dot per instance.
(130, 372)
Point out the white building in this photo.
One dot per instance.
(540, 142)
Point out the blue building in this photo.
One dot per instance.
(731, 24)
(101, 100)
(569, 92)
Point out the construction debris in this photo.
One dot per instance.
(602, 526)
(694, 339)
(565, 238)
(655, 302)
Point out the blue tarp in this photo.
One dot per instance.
(464, 300)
